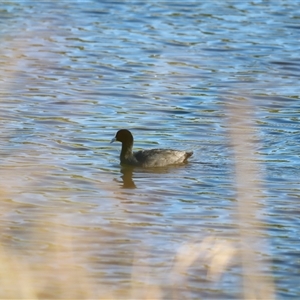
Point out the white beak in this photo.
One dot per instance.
(113, 140)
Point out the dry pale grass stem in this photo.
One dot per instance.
(213, 252)
(256, 285)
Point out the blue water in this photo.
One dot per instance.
(73, 73)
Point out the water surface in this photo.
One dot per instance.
(73, 73)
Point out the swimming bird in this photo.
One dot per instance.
(148, 158)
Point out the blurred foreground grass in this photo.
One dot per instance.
(30, 270)
(55, 272)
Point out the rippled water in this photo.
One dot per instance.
(73, 73)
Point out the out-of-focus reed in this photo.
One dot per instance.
(55, 274)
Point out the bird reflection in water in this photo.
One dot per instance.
(128, 183)
(127, 173)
